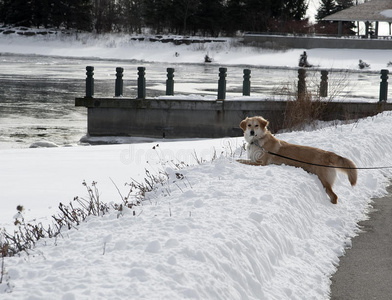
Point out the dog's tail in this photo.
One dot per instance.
(348, 167)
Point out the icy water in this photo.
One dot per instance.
(37, 92)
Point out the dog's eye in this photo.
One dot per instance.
(249, 125)
(256, 125)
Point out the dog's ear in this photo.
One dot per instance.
(243, 124)
(263, 122)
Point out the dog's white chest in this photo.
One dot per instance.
(254, 151)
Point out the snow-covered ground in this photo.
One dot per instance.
(226, 231)
(227, 53)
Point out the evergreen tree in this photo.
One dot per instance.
(288, 16)
(348, 27)
(295, 9)
(234, 18)
(5, 6)
(257, 12)
(19, 13)
(130, 16)
(56, 15)
(329, 7)
(343, 4)
(182, 15)
(105, 15)
(77, 14)
(38, 12)
(149, 12)
(162, 12)
(326, 8)
(209, 17)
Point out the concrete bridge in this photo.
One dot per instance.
(174, 117)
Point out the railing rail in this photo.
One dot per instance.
(221, 89)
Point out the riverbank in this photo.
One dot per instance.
(229, 51)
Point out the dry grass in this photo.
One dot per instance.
(303, 111)
(306, 108)
(26, 234)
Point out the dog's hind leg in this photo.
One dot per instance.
(331, 194)
(327, 179)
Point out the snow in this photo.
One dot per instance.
(230, 52)
(229, 231)
(387, 13)
(43, 144)
(225, 231)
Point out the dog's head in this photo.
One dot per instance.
(254, 128)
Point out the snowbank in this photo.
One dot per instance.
(229, 231)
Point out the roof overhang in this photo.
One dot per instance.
(372, 11)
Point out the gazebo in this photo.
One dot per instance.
(368, 12)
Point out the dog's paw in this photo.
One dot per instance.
(242, 161)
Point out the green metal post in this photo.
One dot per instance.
(324, 84)
(222, 84)
(119, 82)
(90, 82)
(301, 82)
(141, 83)
(384, 85)
(170, 82)
(246, 83)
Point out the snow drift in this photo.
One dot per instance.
(230, 231)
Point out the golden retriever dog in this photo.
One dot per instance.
(264, 149)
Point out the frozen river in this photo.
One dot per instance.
(37, 92)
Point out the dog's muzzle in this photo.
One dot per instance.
(252, 132)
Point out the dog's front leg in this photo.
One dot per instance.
(256, 156)
(247, 162)
(250, 162)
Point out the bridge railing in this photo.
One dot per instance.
(221, 88)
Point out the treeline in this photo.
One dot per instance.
(71, 14)
(206, 17)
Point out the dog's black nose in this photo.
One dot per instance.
(252, 132)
